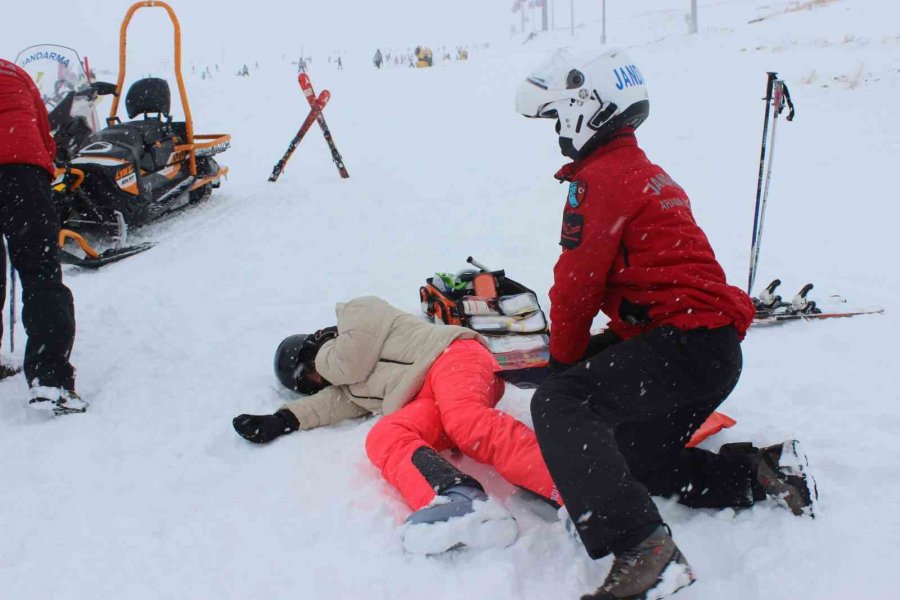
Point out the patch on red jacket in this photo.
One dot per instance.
(572, 226)
(577, 189)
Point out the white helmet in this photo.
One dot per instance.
(591, 97)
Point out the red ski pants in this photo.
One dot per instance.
(455, 409)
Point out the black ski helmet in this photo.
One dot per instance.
(295, 358)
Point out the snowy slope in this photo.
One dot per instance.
(152, 495)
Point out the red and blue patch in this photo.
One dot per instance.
(577, 190)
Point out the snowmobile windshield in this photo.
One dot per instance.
(56, 71)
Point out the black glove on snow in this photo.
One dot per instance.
(265, 428)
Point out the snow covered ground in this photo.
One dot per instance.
(152, 495)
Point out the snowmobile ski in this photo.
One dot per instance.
(316, 110)
(103, 258)
(309, 92)
(93, 258)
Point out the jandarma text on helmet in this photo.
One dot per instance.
(628, 76)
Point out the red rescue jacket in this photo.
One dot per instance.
(24, 129)
(632, 249)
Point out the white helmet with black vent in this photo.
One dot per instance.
(591, 96)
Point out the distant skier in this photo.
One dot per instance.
(340, 64)
(437, 387)
(30, 224)
(378, 59)
(613, 422)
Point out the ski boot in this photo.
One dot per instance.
(461, 516)
(782, 474)
(59, 401)
(653, 569)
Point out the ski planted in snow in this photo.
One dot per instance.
(772, 310)
(309, 92)
(317, 105)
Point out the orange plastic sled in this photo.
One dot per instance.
(713, 425)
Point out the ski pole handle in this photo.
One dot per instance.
(475, 263)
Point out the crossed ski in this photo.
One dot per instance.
(317, 105)
(309, 92)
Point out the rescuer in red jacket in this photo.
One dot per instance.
(30, 224)
(613, 420)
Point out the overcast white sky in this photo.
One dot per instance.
(260, 27)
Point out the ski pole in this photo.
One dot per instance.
(12, 308)
(772, 76)
(780, 97)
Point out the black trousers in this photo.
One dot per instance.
(612, 430)
(30, 224)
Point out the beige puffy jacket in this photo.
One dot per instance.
(377, 363)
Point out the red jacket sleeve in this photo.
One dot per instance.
(42, 119)
(579, 278)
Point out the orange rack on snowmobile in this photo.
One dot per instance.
(60, 183)
(211, 142)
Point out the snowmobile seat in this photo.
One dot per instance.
(149, 95)
(121, 135)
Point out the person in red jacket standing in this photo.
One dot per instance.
(613, 420)
(30, 224)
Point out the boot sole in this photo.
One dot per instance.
(794, 462)
(468, 531)
(50, 407)
(675, 577)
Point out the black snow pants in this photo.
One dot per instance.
(612, 430)
(30, 224)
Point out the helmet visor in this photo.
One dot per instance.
(554, 79)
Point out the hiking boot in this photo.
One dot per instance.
(653, 569)
(9, 365)
(461, 517)
(782, 472)
(59, 401)
(7, 371)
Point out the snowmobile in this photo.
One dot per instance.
(70, 98)
(132, 172)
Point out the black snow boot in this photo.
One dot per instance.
(783, 474)
(655, 569)
(7, 371)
